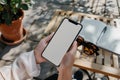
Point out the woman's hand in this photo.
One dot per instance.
(65, 68)
(68, 59)
(40, 47)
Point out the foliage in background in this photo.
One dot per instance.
(10, 10)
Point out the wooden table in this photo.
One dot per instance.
(106, 62)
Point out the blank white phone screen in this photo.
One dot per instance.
(61, 41)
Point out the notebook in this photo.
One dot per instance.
(100, 34)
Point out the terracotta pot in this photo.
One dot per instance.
(12, 32)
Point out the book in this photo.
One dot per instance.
(101, 34)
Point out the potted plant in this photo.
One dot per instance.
(11, 15)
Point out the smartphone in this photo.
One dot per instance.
(61, 41)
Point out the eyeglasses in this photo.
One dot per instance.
(88, 48)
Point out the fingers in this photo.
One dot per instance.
(73, 48)
(47, 39)
(68, 59)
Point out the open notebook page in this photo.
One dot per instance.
(110, 40)
(92, 29)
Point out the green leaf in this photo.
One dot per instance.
(19, 3)
(7, 18)
(1, 8)
(27, 0)
(24, 6)
(8, 21)
(3, 2)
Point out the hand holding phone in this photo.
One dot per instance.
(40, 47)
(69, 57)
(61, 41)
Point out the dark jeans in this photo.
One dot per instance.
(77, 75)
(53, 77)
